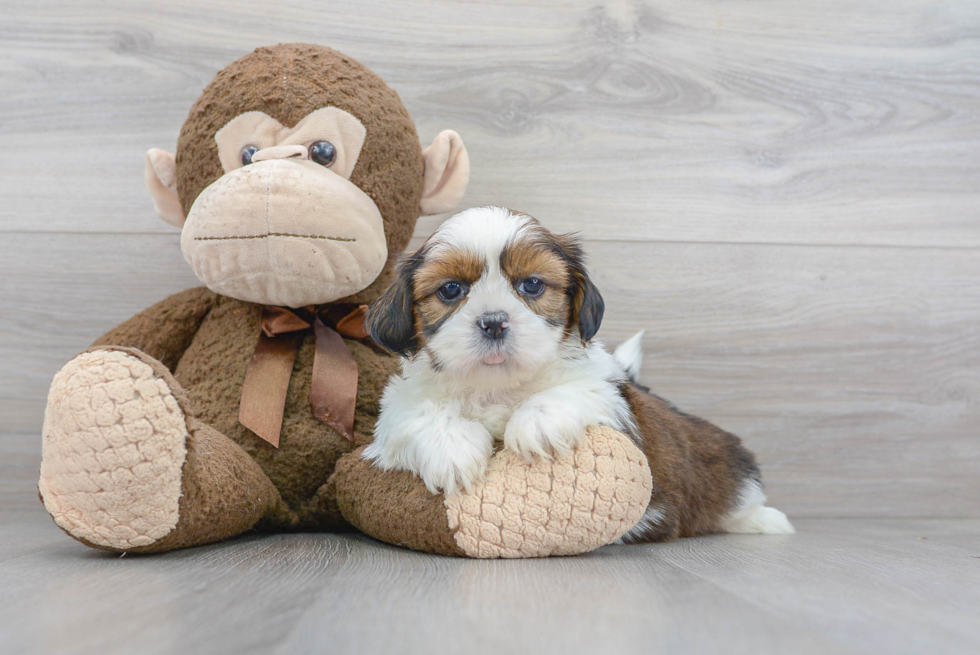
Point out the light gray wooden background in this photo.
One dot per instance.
(785, 195)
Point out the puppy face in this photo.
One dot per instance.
(491, 295)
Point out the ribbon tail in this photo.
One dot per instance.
(266, 383)
(334, 387)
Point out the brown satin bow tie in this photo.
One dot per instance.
(334, 387)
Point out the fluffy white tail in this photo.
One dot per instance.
(752, 516)
(629, 355)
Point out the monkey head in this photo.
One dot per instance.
(298, 177)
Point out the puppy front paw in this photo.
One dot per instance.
(455, 459)
(541, 428)
(449, 455)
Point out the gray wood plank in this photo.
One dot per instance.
(833, 122)
(852, 373)
(26, 532)
(612, 602)
(236, 597)
(68, 290)
(20, 464)
(838, 586)
(947, 539)
(862, 591)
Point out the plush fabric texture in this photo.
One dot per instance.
(344, 131)
(160, 176)
(305, 259)
(447, 173)
(113, 449)
(211, 371)
(393, 506)
(191, 485)
(288, 81)
(567, 506)
(286, 486)
(223, 492)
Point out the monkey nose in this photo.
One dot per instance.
(279, 152)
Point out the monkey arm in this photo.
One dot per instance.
(164, 331)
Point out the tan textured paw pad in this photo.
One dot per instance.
(565, 506)
(113, 446)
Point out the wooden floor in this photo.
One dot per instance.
(838, 586)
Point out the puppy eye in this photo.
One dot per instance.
(323, 153)
(531, 287)
(247, 153)
(451, 291)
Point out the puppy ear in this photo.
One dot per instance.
(590, 307)
(390, 319)
(587, 303)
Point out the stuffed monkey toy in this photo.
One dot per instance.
(243, 405)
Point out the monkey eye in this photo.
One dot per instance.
(531, 287)
(247, 153)
(323, 153)
(452, 291)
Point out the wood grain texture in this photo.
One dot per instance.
(784, 196)
(20, 466)
(802, 122)
(839, 586)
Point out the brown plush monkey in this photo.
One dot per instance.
(297, 179)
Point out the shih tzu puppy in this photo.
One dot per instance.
(495, 316)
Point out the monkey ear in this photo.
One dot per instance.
(161, 180)
(447, 172)
(390, 320)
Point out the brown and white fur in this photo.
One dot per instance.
(495, 316)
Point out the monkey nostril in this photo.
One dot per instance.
(494, 324)
(279, 152)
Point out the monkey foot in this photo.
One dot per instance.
(114, 443)
(569, 505)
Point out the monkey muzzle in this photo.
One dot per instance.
(284, 231)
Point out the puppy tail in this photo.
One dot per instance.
(629, 355)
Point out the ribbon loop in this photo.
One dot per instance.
(279, 320)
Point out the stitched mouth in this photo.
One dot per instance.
(275, 234)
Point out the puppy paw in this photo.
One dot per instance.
(541, 428)
(457, 458)
(449, 455)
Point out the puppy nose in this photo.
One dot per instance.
(278, 152)
(494, 324)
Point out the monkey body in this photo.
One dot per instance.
(298, 178)
(207, 340)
